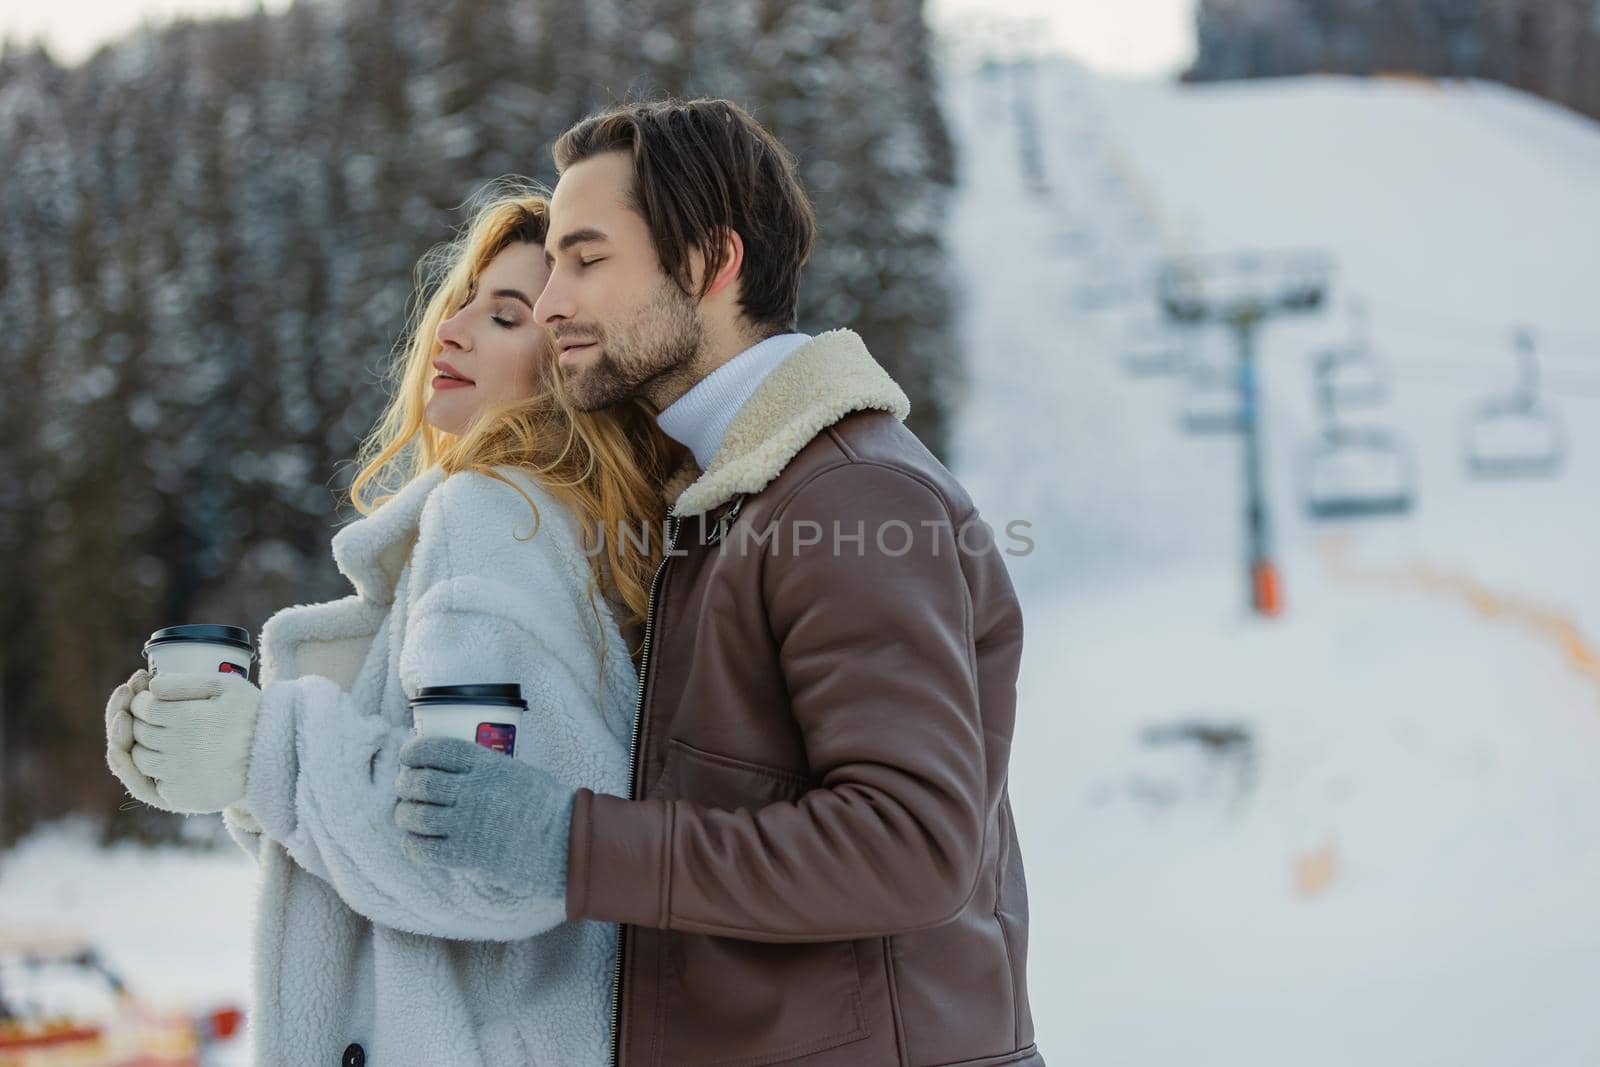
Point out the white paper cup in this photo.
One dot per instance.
(487, 715)
(200, 649)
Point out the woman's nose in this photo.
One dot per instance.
(452, 333)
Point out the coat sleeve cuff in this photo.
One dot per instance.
(242, 827)
(618, 860)
(270, 785)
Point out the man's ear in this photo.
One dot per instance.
(732, 260)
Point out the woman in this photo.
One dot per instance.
(361, 953)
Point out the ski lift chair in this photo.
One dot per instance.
(1355, 471)
(1151, 349)
(1516, 435)
(1359, 472)
(1352, 378)
(1212, 401)
(1212, 404)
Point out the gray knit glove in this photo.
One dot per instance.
(468, 807)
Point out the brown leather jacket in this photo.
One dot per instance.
(820, 867)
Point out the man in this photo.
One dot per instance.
(816, 863)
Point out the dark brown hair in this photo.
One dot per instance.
(699, 166)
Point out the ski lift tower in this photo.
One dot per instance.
(1243, 291)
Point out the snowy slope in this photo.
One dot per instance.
(1391, 853)
(1400, 866)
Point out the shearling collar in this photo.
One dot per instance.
(820, 383)
(372, 550)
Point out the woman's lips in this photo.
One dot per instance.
(442, 382)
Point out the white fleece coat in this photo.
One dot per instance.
(353, 942)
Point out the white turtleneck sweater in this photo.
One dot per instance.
(700, 417)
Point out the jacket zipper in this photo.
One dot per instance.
(633, 757)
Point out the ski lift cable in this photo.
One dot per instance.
(1410, 364)
(1465, 326)
(1444, 372)
(1483, 342)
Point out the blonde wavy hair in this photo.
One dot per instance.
(608, 465)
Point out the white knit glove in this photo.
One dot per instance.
(192, 734)
(119, 739)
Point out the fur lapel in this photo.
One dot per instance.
(332, 638)
(372, 550)
(820, 383)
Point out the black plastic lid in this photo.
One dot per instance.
(237, 636)
(499, 696)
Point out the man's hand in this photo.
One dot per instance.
(192, 735)
(471, 808)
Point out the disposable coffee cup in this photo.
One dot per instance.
(200, 649)
(488, 715)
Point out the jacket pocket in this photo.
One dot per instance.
(718, 781)
(729, 1002)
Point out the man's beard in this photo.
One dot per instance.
(663, 337)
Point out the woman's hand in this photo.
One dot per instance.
(192, 736)
(119, 739)
(471, 808)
